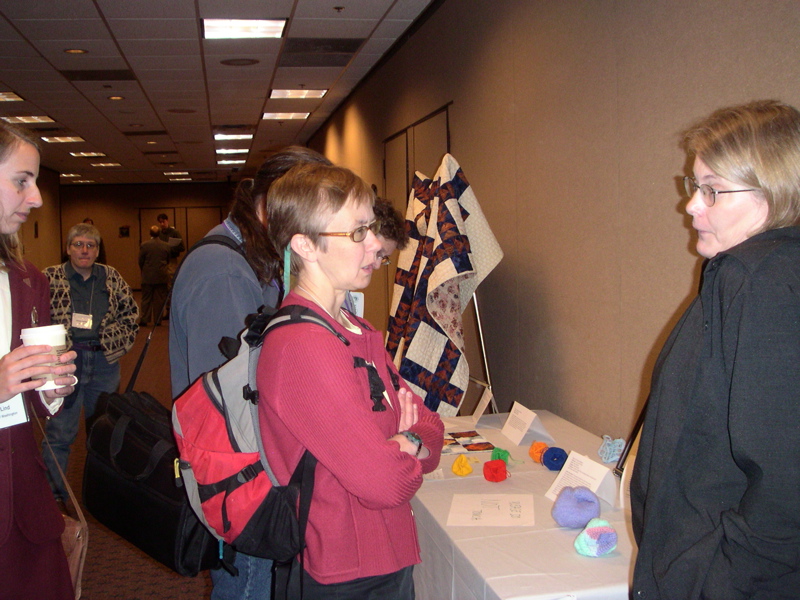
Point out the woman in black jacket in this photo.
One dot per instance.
(715, 490)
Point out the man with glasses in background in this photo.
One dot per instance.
(95, 305)
(392, 235)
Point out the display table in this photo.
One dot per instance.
(532, 563)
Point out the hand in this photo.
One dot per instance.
(24, 362)
(409, 411)
(406, 445)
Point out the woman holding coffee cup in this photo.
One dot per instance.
(33, 560)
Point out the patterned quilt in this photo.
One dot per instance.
(452, 249)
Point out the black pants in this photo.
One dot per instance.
(394, 586)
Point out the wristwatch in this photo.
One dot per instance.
(414, 439)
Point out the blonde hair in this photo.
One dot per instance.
(11, 138)
(756, 145)
(305, 200)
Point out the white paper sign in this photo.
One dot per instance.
(358, 303)
(491, 510)
(625, 483)
(12, 412)
(580, 470)
(521, 420)
(486, 397)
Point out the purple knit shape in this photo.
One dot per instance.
(575, 507)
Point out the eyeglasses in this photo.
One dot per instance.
(385, 260)
(359, 234)
(79, 245)
(708, 193)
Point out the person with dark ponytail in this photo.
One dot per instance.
(216, 288)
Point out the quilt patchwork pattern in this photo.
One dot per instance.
(450, 252)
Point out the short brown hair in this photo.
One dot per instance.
(756, 145)
(393, 224)
(305, 200)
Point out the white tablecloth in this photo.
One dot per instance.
(531, 563)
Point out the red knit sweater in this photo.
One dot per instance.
(312, 397)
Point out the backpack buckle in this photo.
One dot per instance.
(250, 394)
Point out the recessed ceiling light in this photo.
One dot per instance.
(151, 143)
(174, 173)
(27, 119)
(76, 51)
(116, 97)
(298, 93)
(83, 181)
(70, 174)
(232, 150)
(231, 162)
(63, 139)
(228, 29)
(181, 179)
(106, 165)
(9, 97)
(238, 62)
(87, 154)
(233, 136)
(286, 116)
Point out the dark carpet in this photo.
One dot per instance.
(115, 569)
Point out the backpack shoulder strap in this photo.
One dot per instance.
(222, 240)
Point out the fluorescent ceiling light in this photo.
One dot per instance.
(86, 154)
(9, 97)
(63, 139)
(228, 29)
(27, 119)
(171, 173)
(232, 150)
(298, 93)
(232, 136)
(285, 116)
(83, 181)
(70, 174)
(181, 179)
(106, 165)
(231, 162)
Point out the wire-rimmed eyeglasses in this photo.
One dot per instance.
(79, 245)
(707, 193)
(385, 260)
(359, 234)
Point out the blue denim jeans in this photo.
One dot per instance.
(254, 581)
(95, 376)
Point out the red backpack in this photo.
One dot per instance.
(222, 461)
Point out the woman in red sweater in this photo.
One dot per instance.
(319, 394)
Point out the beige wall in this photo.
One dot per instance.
(115, 206)
(565, 119)
(40, 234)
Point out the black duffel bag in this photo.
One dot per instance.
(130, 485)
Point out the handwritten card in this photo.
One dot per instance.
(491, 510)
(580, 470)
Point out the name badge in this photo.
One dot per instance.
(81, 321)
(12, 412)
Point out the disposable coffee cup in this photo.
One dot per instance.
(50, 335)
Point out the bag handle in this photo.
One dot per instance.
(115, 446)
